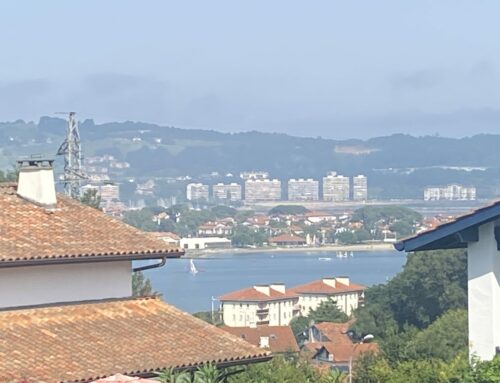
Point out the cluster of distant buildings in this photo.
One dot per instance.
(275, 305)
(257, 186)
(453, 192)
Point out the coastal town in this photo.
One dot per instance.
(249, 192)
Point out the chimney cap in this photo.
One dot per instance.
(35, 160)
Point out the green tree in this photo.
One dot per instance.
(328, 311)
(141, 285)
(288, 210)
(300, 326)
(91, 198)
(430, 284)
(172, 376)
(141, 219)
(222, 211)
(209, 373)
(346, 237)
(485, 372)
(443, 339)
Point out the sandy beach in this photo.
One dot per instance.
(243, 251)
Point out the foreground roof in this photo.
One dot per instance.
(454, 234)
(119, 378)
(320, 287)
(251, 294)
(86, 341)
(72, 232)
(281, 338)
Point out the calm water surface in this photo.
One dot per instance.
(220, 274)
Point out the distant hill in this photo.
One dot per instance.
(397, 166)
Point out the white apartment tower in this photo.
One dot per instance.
(262, 190)
(452, 192)
(335, 187)
(196, 191)
(228, 192)
(303, 190)
(359, 188)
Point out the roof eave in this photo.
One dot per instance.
(90, 259)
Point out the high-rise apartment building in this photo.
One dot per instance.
(196, 191)
(228, 192)
(254, 175)
(109, 192)
(452, 192)
(335, 187)
(303, 190)
(262, 190)
(359, 188)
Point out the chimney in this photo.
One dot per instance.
(264, 289)
(278, 287)
(343, 280)
(264, 342)
(330, 282)
(36, 181)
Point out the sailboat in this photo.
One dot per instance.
(192, 268)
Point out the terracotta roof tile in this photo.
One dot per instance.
(287, 238)
(87, 341)
(281, 338)
(71, 232)
(119, 378)
(320, 287)
(251, 294)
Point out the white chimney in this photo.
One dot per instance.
(264, 289)
(36, 182)
(343, 280)
(264, 342)
(278, 287)
(330, 282)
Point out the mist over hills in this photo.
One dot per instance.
(398, 166)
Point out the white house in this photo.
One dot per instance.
(479, 233)
(259, 305)
(347, 295)
(66, 310)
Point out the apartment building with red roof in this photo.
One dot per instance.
(259, 305)
(276, 306)
(66, 312)
(347, 295)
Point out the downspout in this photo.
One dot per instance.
(153, 266)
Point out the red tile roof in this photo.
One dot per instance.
(335, 332)
(320, 287)
(281, 338)
(342, 353)
(251, 294)
(85, 341)
(287, 238)
(72, 232)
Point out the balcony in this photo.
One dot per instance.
(263, 311)
(262, 322)
(297, 307)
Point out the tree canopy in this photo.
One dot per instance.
(288, 210)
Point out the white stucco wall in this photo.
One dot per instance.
(484, 294)
(34, 285)
(244, 314)
(347, 302)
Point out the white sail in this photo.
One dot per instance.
(192, 267)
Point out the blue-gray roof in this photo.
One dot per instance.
(454, 234)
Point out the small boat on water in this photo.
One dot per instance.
(342, 254)
(192, 267)
(326, 259)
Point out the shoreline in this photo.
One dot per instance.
(243, 251)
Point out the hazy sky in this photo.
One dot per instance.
(330, 68)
